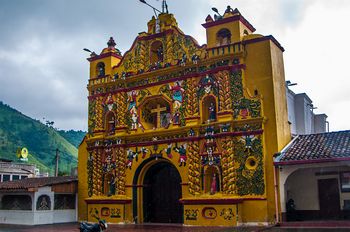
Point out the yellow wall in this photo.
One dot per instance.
(264, 74)
(83, 180)
(213, 215)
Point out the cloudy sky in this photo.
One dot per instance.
(44, 71)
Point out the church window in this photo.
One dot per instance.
(223, 37)
(110, 122)
(211, 183)
(245, 32)
(16, 202)
(100, 69)
(156, 53)
(209, 109)
(43, 203)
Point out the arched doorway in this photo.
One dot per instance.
(161, 194)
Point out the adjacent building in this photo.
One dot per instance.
(10, 170)
(314, 177)
(301, 115)
(43, 200)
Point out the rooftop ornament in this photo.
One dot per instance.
(228, 10)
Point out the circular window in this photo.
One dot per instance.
(251, 162)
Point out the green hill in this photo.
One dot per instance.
(18, 130)
(72, 136)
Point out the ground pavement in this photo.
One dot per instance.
(71, 227)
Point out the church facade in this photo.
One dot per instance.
(182, 133)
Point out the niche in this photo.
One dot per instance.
(223, 37)
(157, 55)
(209, 109)
(211, 177)
(100, 69)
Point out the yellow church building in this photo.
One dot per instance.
(183, 133)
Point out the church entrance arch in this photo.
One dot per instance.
(158, 200)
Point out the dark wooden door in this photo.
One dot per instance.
(161, 194)
(328, 195)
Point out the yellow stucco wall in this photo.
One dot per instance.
(261, 62)
(82, 183)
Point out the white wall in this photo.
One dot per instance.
(301, 116)
(68, 215)
(301, 183)
(37, 217)
(21, 217)
(291, 110)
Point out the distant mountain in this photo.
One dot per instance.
(18, 130)
(72, 136)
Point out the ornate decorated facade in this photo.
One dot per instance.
(182, 133)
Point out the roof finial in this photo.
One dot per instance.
(111, 43)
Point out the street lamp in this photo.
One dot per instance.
(89, 51)
(154, 9)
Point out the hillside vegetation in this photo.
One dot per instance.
(18, 130)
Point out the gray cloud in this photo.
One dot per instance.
(44, 72)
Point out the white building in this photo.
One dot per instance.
(314, 177)
(34, 201)
(301, 116)
(15, 171)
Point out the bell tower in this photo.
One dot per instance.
(226, 29)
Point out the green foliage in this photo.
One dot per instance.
(72, 136)
(18, 130)
(250, 181)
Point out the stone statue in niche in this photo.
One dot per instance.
(213, 188)
(176, 118)
(112, 186)
(160, 53)
(165, 120)
(101, 70)
(212, 112)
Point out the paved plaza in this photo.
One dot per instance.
(71, 227)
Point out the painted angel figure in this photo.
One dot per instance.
(177, 96)
(132, 97)
(248, 140)
(130, 157)
(168, 150)
(109, 102)
(144, 152)
(182, 152)
(134, 121)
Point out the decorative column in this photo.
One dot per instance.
(194, 168)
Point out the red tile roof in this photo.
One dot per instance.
(36, 182)
(316, 148)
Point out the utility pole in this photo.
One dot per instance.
(57, 158)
